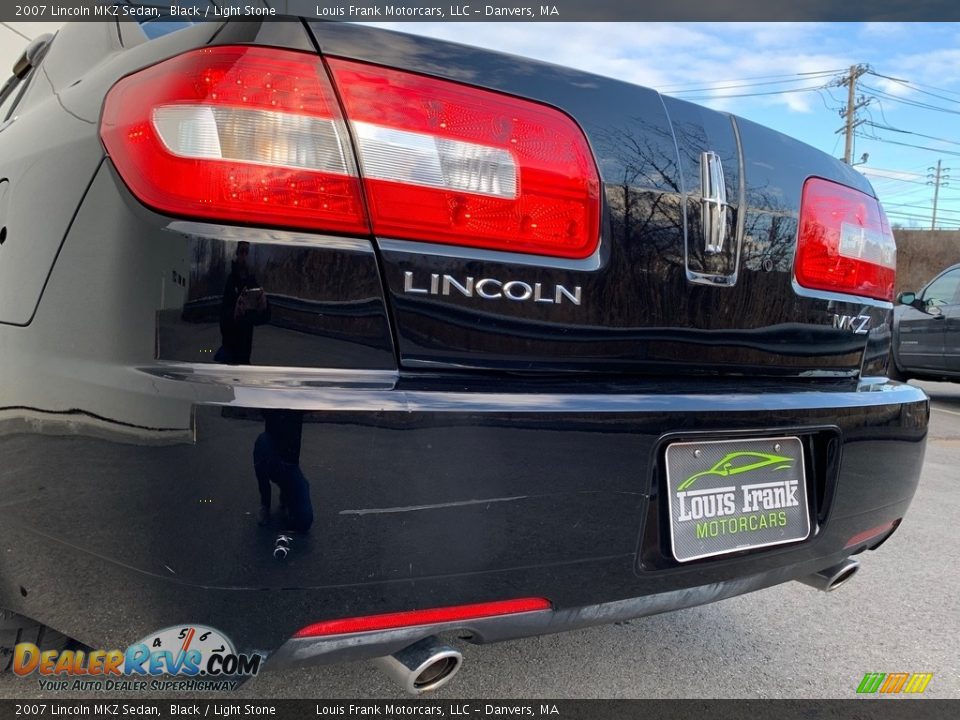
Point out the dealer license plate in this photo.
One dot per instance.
(732, 495)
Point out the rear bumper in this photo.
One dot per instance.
(423, 496)
(366, 645)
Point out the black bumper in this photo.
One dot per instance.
(423, 497)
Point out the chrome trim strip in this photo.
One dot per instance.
(348, 394)
(587, 264)
(741, 197)
(265, 236)
(864, 302)
(257, 376)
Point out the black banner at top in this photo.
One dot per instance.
(494, 11)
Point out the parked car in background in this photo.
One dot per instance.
(926, 329)
(338, 340)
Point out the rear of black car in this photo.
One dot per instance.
(499, 348)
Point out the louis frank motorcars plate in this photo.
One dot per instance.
(731, 495)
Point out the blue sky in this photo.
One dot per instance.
(677, 58)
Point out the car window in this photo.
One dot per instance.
(943, 290)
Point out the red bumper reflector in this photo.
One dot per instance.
(870, 534)
(432, 616)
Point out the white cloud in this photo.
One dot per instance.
(666, 56)
(937, 67)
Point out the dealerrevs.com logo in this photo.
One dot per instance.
(199, 657)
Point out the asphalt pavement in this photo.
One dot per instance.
(901, 613)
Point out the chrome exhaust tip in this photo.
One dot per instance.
(426, 665)
(831, 578)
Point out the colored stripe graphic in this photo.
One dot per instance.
(894, 682)
(918, 682)
(871, 682)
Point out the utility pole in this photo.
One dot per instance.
(849, 113)
(937, 176)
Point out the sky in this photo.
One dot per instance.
(916, 65)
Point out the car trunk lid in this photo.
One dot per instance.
(694, 271)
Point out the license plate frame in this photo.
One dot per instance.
(751, 478)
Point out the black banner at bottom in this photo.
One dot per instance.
(854, 709)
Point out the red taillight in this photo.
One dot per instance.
(255, 135)
(433, 616)
(448, 163)
(242, 134)
(844, 244)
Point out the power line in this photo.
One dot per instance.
(919, 216)
(912, 103)
(913, 83)
(898, 174)
(921, 207)
(758, 94)
(906, 198)
(924, 218)
(918, 147)
(915, 87)
(934, 87)
(952, 225)
(911, 186)
(743, 85)
(901, 180)
(916, 171)
(755, 77)
(913, 174)
(829, 108)
(879, 126)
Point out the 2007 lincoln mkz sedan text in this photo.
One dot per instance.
(338, 340)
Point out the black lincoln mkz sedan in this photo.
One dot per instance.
(338, 340)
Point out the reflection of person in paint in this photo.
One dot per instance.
(244, 305)
(276, 460)
(276, 452)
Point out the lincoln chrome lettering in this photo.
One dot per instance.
(488, 288)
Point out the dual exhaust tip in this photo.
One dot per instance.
(428, 664)
(831, 578)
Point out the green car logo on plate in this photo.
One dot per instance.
(737, 463)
